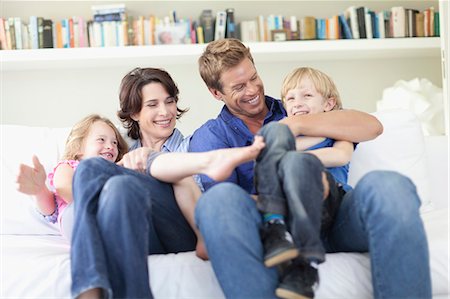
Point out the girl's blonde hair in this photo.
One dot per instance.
(79, 132)
(322, 82)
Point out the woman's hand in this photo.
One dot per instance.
(136, 159)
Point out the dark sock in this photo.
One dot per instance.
(273, 218)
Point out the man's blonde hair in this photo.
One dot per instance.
(218, 57)
(80, 131)
(322, 82)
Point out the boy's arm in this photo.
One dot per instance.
(31, 181)
(338, 155)
(304, 142)
(350, 125)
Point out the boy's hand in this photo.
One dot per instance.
(31, 180)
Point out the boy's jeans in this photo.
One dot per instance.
(121, 217)
(380, 216)
(290, 183)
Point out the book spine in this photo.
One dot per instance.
(48, 33)
(231, 25)
(347, 33)
(221, 18)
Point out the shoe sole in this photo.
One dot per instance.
(286, 294)
(282, 257)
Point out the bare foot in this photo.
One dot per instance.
(223, 161)
(200, 250)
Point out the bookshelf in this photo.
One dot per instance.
(163, 55)
(87, 79)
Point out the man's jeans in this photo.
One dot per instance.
(380, 216)
(289, 183)
(121, 217)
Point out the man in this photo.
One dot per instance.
(381, 214)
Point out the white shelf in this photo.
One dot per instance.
(164, 55)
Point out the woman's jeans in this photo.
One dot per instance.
(121, 217)
(380, 216)
(289, 183)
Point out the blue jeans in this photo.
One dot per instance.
(380, 216)
(121, 217)
(289, 183)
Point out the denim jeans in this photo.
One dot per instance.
(121, 217)
(290, 183)
(380, 216)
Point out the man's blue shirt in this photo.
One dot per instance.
(228, 131)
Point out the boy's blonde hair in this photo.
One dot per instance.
(322, 82)
(79, 132)
(218, 57)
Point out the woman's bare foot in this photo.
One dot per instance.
(222, 162)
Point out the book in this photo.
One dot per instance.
(381, 28)
(361, 15)
(333, 28)
(294, 28)
(3, 40)
(231, 25)
(436, 24)
(47, 33)
(346, 31)
(350, 14)
(108, 8)
(308, 28)
(207, 22)
(321, 29)
(398, 21)
(249, 31)
(368, 23)
(220, 26)
(18, 32)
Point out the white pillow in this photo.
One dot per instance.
(19, 143)
(401, 148)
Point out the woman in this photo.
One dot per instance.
(111, 242)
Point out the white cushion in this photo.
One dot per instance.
(401, 148)
(19, 143)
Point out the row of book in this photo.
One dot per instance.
(353, 23)
(111, 26)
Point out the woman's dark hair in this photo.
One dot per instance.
(130, 95)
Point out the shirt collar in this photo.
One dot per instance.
(275, 109)
(171, 144)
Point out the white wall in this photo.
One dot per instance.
(61, 97)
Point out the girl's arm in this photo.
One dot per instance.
(31, 181)
(350, 125)
(338, 155)
(62, 181)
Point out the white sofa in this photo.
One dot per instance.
(35, 260)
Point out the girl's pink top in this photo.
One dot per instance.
(61, 204)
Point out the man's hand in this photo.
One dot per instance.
(136, 160)
(31, 180)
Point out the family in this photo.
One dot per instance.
(261, 190)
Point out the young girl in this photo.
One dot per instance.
(94, 136)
